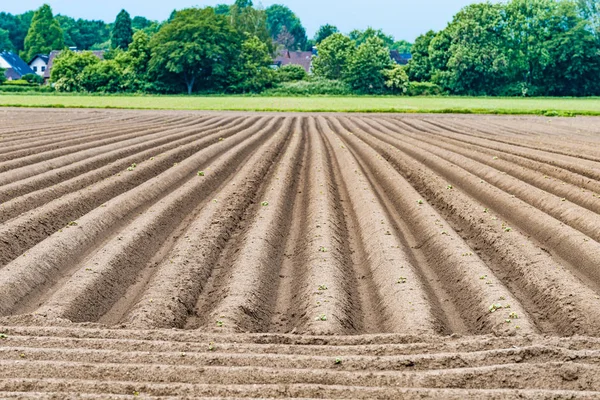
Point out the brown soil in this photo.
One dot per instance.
(315, 256)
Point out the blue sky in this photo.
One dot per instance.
(404, 19)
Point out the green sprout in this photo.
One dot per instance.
(322, 287)
(322, 317)
(495, 307)
(200, 173)
(264, 203)
(219, 323)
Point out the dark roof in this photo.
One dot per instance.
(400, 58)
(11, 74)
(44, 58)
(54, 53)
(19, 66)
(303, 58)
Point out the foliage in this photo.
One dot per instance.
(20, 82)
(44, 34)
(33, 78)
(361, 37)
(102, 76)
(2, 76)
(324, 32)
(198, 48)
(122, 32)
(67, 68)
(134, 63)
(17, 27)
(419, 66)
(312, 87)
(366, 69)
(291, 73)
(423, 89)
(5, 43)
(402, 46)
(333, 56)
(253, 73)
(396, 79)
(285, 27)
(82, 33)
(251, 22)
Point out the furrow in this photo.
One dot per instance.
(103, 277)
(453, 261)
(526, 269)
(521, 168)
(397, 291)
(41, 265)
(26, 167)
(54, 177)
(169, 298)
(552, 375)
(244, 292)
(23, 232)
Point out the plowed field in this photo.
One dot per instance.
(174, 254)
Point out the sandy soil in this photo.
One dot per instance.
(314, 256)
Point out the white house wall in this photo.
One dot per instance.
(39, 63)
(4, 64)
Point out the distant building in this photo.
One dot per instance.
(286, 57)
(400, 58)
(14, 65)
(54, 53)
(39, 64)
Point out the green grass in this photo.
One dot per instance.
(449, 104)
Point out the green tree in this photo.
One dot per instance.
(140, 23)
(134, 62)
(44, 34)
(222, 9)
(283, 24)
(253, 72)
(419, 66)
(2, 76)
(241, 4)
(17, 27)
(333, 56)
(396, 79)
(291, 73)
(82, 33)
(5, 43)
(368, 65)
(67, 68)
(324, 32)
(104, 76)
(402, 46)
(198, 48)
(251, 22)
(122, 32)
(361, 37)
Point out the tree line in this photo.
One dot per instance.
(521, 47)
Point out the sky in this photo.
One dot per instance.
(404, 19)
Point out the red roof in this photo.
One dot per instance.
(303, 58)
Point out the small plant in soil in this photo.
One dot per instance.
(323, 249)
(449, 187)
(322, 317)
(513, 315)
(485, 210)
(200, 173)
(508, 321)
(3, 336)
(322, 287)
(132, 167)
(219, 323)
(338, 360)
(419, 202)
(264, 203)
(401, 280)
(72, 223)
(211, 346)
(494, 307)
(507, 229)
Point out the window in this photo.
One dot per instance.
(43, 68)
(34, 69)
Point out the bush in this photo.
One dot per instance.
(33, 79)
(25, 89)
(19, 82)
(311, 87)
(396, 79)
(291, 73)
(423, 89)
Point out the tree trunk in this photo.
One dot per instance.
(189, 82)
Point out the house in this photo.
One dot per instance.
(400, 58)
(286, 57)
(54, 53)
(39, 63)
(14, 65)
